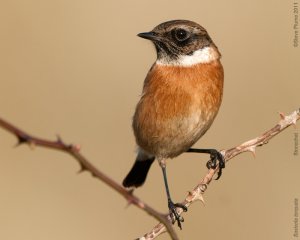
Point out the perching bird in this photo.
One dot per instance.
(181, 97)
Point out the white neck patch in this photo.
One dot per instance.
(204, 55)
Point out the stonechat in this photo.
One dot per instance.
(181, 97)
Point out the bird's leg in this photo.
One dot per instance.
(171, 205)
(215, 156)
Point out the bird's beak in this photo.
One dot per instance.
(149, 35)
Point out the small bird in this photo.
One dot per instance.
(181, 97)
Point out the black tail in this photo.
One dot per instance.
(138, 173)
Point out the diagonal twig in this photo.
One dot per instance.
(86, 165)
(249, 146)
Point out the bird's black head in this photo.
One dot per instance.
(178, 38)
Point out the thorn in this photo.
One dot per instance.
(18, 144)
(129, 200)
(281, 114)
(31, 145)
(75, 147)
(190, 196)
(59, 140)
(196, 196)
(21, 139)
(202, 199)
(190, 193)
(252, 150)
(129, 203)
(294, 121)
(82, 168)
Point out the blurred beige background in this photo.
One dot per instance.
(76, 68)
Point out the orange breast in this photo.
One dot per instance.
(177, 107)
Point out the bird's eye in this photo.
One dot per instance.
(180, 34)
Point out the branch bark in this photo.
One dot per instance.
(249, 146)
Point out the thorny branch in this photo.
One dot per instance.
(249, 146)
(86, 165)
(165, 221)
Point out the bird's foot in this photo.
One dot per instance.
(215, 158)
(174, 214)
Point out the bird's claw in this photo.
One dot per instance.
(177, 218)
(215, 157)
